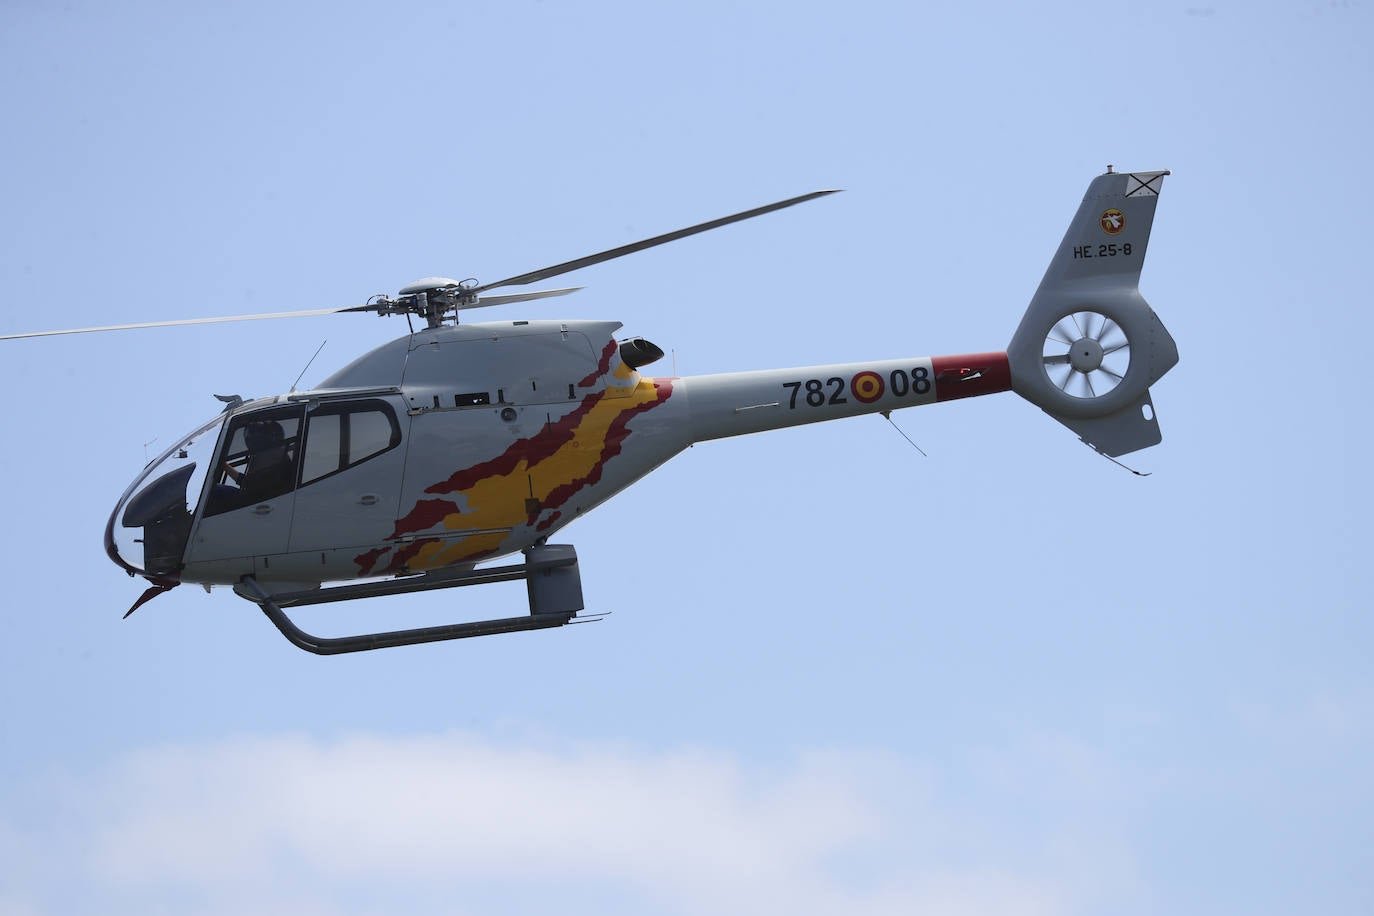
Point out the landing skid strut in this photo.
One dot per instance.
(551, 578)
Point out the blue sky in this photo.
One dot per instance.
(839, 677)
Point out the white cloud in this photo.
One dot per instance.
(457, 824)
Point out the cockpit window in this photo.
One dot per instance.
(339, 436)
(259, 460)
(148, 529)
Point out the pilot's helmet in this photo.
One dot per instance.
(263, 434)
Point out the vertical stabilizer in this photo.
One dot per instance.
(1089, 346)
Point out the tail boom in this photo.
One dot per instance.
(1086, 352)
(739, 403)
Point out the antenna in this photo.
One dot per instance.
(307, 365)
(1114, 461)
(887, 415)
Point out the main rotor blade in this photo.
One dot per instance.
(484, 301)
(544, 273)
(166, 324)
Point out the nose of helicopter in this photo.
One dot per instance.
(150, 526)
(112, 547)
(148, 530)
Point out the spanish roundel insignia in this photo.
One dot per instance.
(867, 386)
(1112, 221)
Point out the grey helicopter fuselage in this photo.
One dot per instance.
(458, 444)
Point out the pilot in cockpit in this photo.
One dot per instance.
(268, 468)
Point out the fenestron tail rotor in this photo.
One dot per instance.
(1089, 346)
(1086, 354)
(437, 299)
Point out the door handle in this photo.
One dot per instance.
(262, 509)
(368, 499)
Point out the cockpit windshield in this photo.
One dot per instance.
(148, 531)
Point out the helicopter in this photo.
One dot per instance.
(462, 443)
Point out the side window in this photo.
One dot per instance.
(339, 436)
(259, 460)
(322, 446)
(369, 433)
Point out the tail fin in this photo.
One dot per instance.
(1089, 346)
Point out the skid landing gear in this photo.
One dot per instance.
(550, 573)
